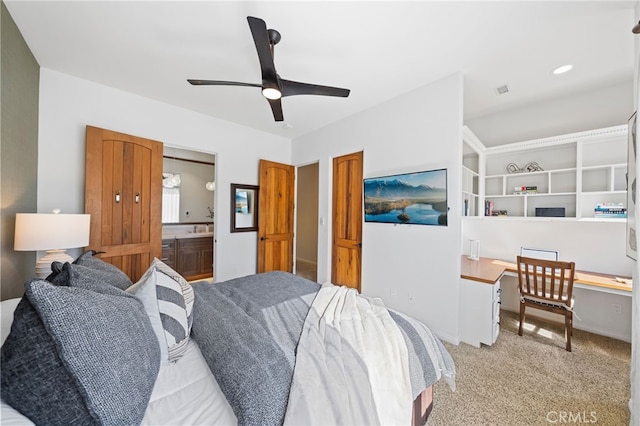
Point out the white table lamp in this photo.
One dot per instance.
(53, 233)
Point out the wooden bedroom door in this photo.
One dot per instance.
(123, 194)
(346, 252)
(275, 217)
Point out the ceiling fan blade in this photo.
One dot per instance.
(276, 107)
(220, 83)
(291, 88)
(263, 47)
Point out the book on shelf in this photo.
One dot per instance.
(610, 207)
(488, 208)
(521, 190)
(499, 213)
(615, 210)
(610, 215)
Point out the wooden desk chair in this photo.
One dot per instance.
(547, 285)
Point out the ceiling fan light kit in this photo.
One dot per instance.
(273, 87)
(271, 93)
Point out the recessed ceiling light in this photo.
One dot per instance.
(562, 69)
(501, 90)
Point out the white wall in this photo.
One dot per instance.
(68, 104)
(594, 246)
(415, 269)
(634, 403)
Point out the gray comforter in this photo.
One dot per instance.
(248, 330)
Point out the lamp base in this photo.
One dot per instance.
(43, 265)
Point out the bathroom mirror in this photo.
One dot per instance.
(188, 186)
(244, 208)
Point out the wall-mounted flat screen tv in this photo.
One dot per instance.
(418, 198)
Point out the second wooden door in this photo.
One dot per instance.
(346, 253)
(275, 217)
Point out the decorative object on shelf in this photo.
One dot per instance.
(53, 233)
(474, 249)
(531, 166)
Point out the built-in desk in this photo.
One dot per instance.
(490, 270)
(480, 295)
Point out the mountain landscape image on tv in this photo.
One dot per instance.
(418, 198)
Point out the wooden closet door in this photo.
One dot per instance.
(123, 194)
(346, 253)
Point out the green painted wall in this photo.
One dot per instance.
(19, 83)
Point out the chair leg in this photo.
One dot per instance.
(521, 318)
(568, 328)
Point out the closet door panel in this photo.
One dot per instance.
(124, 197)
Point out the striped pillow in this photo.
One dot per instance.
(168, 300)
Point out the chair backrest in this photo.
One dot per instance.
(546, 280)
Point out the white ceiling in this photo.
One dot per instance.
(378, 49)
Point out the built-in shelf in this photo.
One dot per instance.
(579, 171)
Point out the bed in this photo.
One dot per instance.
(269, 348)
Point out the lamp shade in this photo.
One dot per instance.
(47, 231)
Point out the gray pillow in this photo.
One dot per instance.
(108, 272)
(77, 356)
(33, 378)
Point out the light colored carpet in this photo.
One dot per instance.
(532, 380)
(306, 269)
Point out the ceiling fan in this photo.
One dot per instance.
(273, 87)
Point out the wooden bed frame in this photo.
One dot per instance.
(422, 407)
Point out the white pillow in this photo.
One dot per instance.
(168, 300)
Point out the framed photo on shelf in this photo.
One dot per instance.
(631, 239)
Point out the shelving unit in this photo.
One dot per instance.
(470, 197)
(580, 170)
(471, 180)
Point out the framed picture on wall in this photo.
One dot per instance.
(418, 198)
(244, 208)
(632, 251)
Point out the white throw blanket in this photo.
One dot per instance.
(351, 364)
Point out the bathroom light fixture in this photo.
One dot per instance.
(53, 233)
(562, 69)
(211, 186)
(171, 180)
